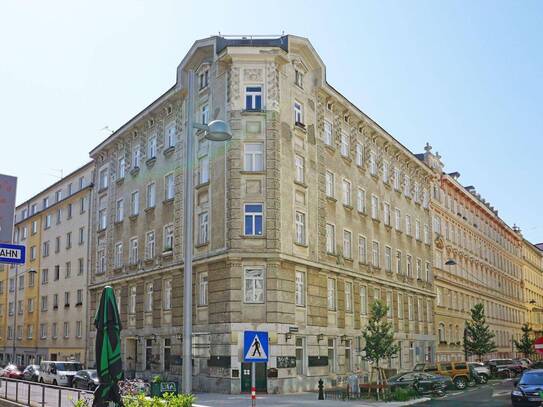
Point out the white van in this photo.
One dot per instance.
(58, 372)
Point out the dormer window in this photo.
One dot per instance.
(299, 78)
(204, 79)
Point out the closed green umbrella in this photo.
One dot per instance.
(108, 350)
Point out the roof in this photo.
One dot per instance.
(539, 246)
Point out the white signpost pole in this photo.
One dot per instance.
(253, 384)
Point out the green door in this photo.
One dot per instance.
(260, 379)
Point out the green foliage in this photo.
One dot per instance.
(156, 379)
(526, 343)
(80, 403)
(401, 394)
(169, 400)
(478, 339)
(379, 335)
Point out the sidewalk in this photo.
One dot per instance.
(288, 400)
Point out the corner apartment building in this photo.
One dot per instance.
(305, 217)
(45, 298)
(477, 259)
(532, 278)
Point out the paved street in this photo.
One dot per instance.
(20, 393)
(494, 394)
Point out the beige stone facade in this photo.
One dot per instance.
(485, 265)
(532, 279)
(44, 309)
(309, 213)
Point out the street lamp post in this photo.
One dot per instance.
(216, 130)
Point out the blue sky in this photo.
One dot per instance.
(467, 76)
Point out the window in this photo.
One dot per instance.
(400, 306)
(203, 169)
(359, 154)
(374, 207)
(361, 200)
(300, 228)
(68, 270)
(203, 228)
(78, 330)
(397, 219)
(408, 225)
(79, 296)
(417, 229)
(375, 254)
(151, 148)
(328, 138)
(133, 256)
(203, 78)
(135, 203)
(205, 114)
(30, 331)
(168, 238)
(253, 219)
(348, 296)
(47, 223)
(344, 144)
(45, 249)
(149, 297)
(410, 310)
(10, 308)
(254, 285)
(253, 98)
(81, 266)
(419, 269)
(363, 300)
(346, 192)
(347, 244)
(43, 331)
(101, 266)
(167, 298)
(119, 210)
(57, 244)
(330, 238)
(46, 202)
(151, 201)
(253, 157)
(300, 288)
(203, 289)
(102, 213)
(21, 283)
(30, 305)
(426, 234)
(171, 137)
(388, 259)
(118, 260)
(386, 213)
(67, 299)
(398, 262)
(69, 211)
(55, 301)
(300, 358)
(406, 186)
(103, 178)
(329, 184)
(132, 301)
(34, 227)
(299, 78)
(409, 266)
(385, 171)
(331, 355)
(298, 114)
(150, 245)
(416, 192)
(121, 167)
(389, 304)
(136, 156)
(66, 329)
(33, 253)
(331, 294)
(427, 273)
(362, 250)
(57, 273)
(299, 168)
(373, 164)
(44, 277)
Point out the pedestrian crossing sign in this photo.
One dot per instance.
(255, 346)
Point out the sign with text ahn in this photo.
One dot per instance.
(255, 346)
(12, 253)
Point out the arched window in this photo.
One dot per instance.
(441, 332)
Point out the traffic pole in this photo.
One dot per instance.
(253, 384)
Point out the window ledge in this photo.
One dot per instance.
(252, 111)
(149, 260)
(375, 220)
(134, 171)
(167, 253)
(330, 148)
(102, 189)
(79, 304)
(363, 213)
(118, 222)
(167, 201)
(133, 217)
(301, 244)
(374, 176)
(244, 172)
(388, 227)
(398, 231)
(149, 209)
(200, 245)
(253, 236)
(331, 199)
(66, 305)
(348, 207)
(346, 158)
(119, 180)
(169, 151)
(300, 126)
(100, 230)
(202, 185)
(118, 269)
(150, 162)
(300, 183)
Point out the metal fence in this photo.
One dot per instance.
(39, 394)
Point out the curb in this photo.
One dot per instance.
(397, 403)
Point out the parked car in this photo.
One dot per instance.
(537, 365)
(504, 367)
(457, 371)
(31, 373)
(482, 370)
(527, 389)
(526, 363)
(58, 373)
(85, 379)
(427, 382)
(12, 371)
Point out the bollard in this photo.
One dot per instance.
(321, 390)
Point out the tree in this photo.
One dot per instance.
(526, 343)
(478, 340)
(379, 338)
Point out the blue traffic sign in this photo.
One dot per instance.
(255, 346)
(12, 253)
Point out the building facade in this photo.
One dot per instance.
(46, 298)
(532, 285)
(306, 216)
(477, 259)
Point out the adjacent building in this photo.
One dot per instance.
(532, 285)
(43, 303)
(477, 259)
(305, 217)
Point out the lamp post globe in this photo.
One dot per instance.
(218, 130)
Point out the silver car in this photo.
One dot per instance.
(481, 369)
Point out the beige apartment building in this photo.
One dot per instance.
(532, 285)
(305, 217)
(46, 298)
(477, 259)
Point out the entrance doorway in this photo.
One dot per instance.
(260, 377)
